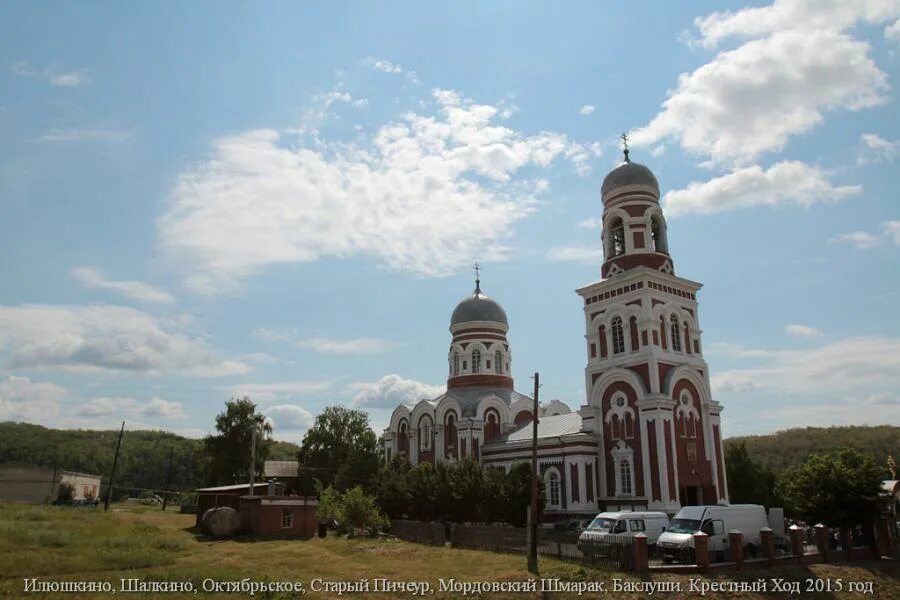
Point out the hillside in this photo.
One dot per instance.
(142, 461)
(786, 449)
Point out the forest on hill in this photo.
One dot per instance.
(786, 449)
(143, 459)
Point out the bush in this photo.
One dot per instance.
(66, 493)
(352, 510)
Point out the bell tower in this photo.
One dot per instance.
(648, 393)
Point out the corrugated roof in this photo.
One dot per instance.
(229, 488)
(548, 427)
(281, 468)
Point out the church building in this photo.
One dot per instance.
(649, 434)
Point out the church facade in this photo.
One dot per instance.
(648, 435)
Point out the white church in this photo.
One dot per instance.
(649, 434)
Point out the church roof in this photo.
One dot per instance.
(478, 307)
(470, 398)
(548, 427)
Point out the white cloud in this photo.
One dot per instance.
(753, 99)
(361, 345)
(137, 290)
(81, 135)
(108, 406)
(385, 66)
(877, 149)
(809, 15)
(892, 230)
(263, 392)
(101, 338)
(873, 409)
(892, 32)
(163, 409)
(392, 390)
(861, 240)
(24, 400)
(590, 223)
(785, 182)
(575, 254)
(801, 330)
(289, 417)
(730, 382)
(259, 202)
(587, 109)
(852, 365)
(65, 79)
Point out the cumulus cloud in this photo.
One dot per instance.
(591, 223)
(261, 201)
(587, 109)
(861, 240)
(361, 345)
(72, 134)
(263, 392)
(801, 330)
(575, 254)
(392, 390)
(752, 99)
(892, 230)
(786, 182)
(136, 290)
(876, 149)
(101, 338)
(22, 399)
(892, 32)
(385, 66)
(163, 409)
(793, 14)
(289, 417)
(874, 409)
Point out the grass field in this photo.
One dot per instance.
(53, 544)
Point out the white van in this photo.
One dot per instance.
(716, 522)
(608, 526)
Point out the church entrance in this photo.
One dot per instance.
(692, 495)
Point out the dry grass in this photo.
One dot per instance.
(52, 543)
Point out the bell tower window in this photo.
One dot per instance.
(456, 363)
(618, 336)
(498, 362)
(476, 361)
(659, 236)
(617, 237)
(676, 335)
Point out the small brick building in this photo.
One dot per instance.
(289, 516)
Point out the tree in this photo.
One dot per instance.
(65, 494)
(838, 489)
(340, 449)
(749, 482)
(228, 453)
(392, 490)
(352, 509)
(517, 494)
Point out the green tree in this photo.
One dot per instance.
(392, 488)
(517, 494)
(65, 493)
(749, 482)
(423, 486)
(228, 453)
(340, 449)
(352, 509)
(837, 489)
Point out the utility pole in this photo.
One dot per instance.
(168, 479)
(252, 458)
(112, 473)
(532, 548)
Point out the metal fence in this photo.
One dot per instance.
(422, 532)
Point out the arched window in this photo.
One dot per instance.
(498, 363)
(658, 235)
(625, 477)
(425, 433)
(618, 336)
(553, 489)
(403, 438)
(616, 237)
(491, 425)
(476, 361)
(676, 335)
(456, 363)
(450, 435)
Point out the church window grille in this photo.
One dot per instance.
(618, 336)
(498, 362)
(676, 335)
(465, 365)
(476, 361)
(287, 519)
(625, 478)
(426, 432)
(456, 363)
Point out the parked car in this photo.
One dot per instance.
(716, 522)
(608, 527)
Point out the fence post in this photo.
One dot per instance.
(767, 539)
(796, 533)
(822, 540)
(641, 557)
(701, 551)
(736, 542)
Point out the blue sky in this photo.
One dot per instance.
(202, 200)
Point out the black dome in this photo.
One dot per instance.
(478, 307)
(629, 173)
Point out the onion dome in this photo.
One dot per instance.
(478, 307)
(629, 174)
